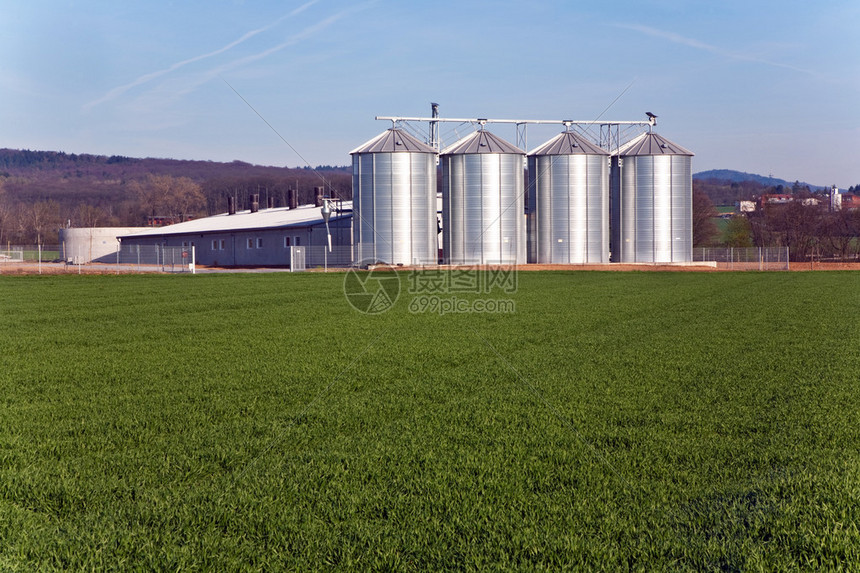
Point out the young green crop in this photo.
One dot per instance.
(646, 421)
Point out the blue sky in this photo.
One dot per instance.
(764, 87)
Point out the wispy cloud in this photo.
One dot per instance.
(292, 41)
(693, 43)
(119, 90)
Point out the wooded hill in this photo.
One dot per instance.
(725, 186)
(41, 191)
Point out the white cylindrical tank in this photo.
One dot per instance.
(651, 202)
(394, 200)
(483, 201)
(87, 244)
(568, 201)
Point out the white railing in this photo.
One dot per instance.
(155, 258)
(745, 258)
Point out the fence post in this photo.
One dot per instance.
(193, 260)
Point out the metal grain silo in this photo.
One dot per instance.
(568, 205)
(394, 200)
(651, 206)
(483, 201)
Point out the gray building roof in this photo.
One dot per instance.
(392, 141)
(568, 143)
(651, 144)
(281, 217)
(481, 142)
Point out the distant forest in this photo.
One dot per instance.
(727, 192)
(42, 191)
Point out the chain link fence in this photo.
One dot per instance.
(126, 259)
(8, 256)
(30, 253)
(167, 259)
(155, 258)
(745, 259)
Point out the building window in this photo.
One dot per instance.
(259, 242)
(214, 244)
(250, 243)
(222, 244)
(286, 242)
(297, 241)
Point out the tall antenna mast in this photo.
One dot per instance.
(434, 126)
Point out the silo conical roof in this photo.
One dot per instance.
(568, 143)
(651, 144)
(393, 140)
(481, 142)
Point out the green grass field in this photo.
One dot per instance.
(615, 421)
(722, 224)
(33, 255)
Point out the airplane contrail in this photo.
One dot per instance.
(303, 35)
(678, 39)
(118, 91)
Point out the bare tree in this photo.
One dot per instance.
(165, 195)
(795, 226)
(40, 219)
(89, 215)
(705, 231)
(5, 214)
(839, 233)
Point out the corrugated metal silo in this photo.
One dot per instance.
(394, 200)
(568, 206)
(483, 201)
(651, 202)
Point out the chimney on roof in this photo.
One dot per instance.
(270, 202)
(254, 200)
(292, 198)
(318, 196)
(231, 206)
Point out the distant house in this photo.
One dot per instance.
(850, 201)
(775, 199)
(745, 206)
(784, 199)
